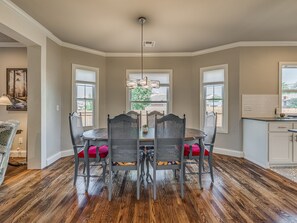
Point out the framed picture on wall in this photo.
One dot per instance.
(16, 79)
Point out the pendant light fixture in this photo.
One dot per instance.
(144, 82)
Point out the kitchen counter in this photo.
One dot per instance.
(273, 119)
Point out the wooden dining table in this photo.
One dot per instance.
(192, 136)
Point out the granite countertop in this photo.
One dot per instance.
(273, 119)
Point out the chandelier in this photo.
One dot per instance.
(144, 82)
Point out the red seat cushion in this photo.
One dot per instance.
(195, 150)
(103, 151)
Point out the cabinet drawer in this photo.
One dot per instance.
(280, 126)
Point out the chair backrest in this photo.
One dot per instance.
(135, 115)
(169, 138)
(150, 118)
(123, 138)
(210, 127)
(76, 129)
(7, 134)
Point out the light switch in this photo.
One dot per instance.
(58, 107)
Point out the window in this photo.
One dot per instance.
(214, 95)
(288, 87)
(141, 99)
(85, 93)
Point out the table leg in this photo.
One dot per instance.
(201, 160)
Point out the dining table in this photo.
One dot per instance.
(192, 136)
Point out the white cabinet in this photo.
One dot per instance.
(280, 147)
(269, 143)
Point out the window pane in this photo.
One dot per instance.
(83, 118)
(213, 76)
(159, 94)
(139, 106)
(219, 120)
(89, 105)
(289, 102)
(85, 75)
(140, 94)
(80, 91)
(89, 119)
(289, 78)
(80, 106)
(89, 91)
(149, 107)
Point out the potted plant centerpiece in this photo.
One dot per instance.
(145, 129)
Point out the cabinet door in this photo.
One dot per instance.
(295, 148)
(280, 147)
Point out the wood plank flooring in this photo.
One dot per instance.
(242, 192)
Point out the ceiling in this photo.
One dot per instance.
(5, 39)
(175, 25)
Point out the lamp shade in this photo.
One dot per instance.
(4, 100)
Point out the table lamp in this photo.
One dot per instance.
(4, 100)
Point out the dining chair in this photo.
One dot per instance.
(7, 134)
(192, 152)
(85, 152)
(168, 147)
(123, 144)
(150, 118)
(134, 115)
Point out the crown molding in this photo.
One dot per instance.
(34, 22)
(51, 36)
(83, 49)
(173, 54)
(11, 44)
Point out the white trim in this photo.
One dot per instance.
(173, 54)
(53, 158)
(167, 71)
(11, 44)
(225, 120)
(96, 99)
(83, 49)
(280, 77)
(228, 152)
(34, 22)
(68, 152)
(15, 153)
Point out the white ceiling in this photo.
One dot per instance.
(175, 25)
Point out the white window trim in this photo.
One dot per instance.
(96, 96)
(224, 129)
(152, 71)
(280, 74)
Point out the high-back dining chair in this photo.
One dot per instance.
(123, 143)
(83, 151)
(134, 115)
(150, 118)
(168, 147)
(192, 152)
(7, 134)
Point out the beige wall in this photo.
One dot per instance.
(53, 95)
(69, 57)
(259, 68)
(181, 80)
(233, 139)
(13, 58)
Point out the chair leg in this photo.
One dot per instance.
(200, 171)
(181, 179)
(155, 185)
(88, 172)
(76, 163)
(184, 172)
(210, 167)
(84, 171)
(147, 168)
(110, 185)
(104, 169)
(138, 184)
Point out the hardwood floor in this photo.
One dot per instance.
(242, 192)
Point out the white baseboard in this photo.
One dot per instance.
(68, 152)
(228, 152)
(14, 153)
(53, 158)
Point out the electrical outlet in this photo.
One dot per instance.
(20, 140)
